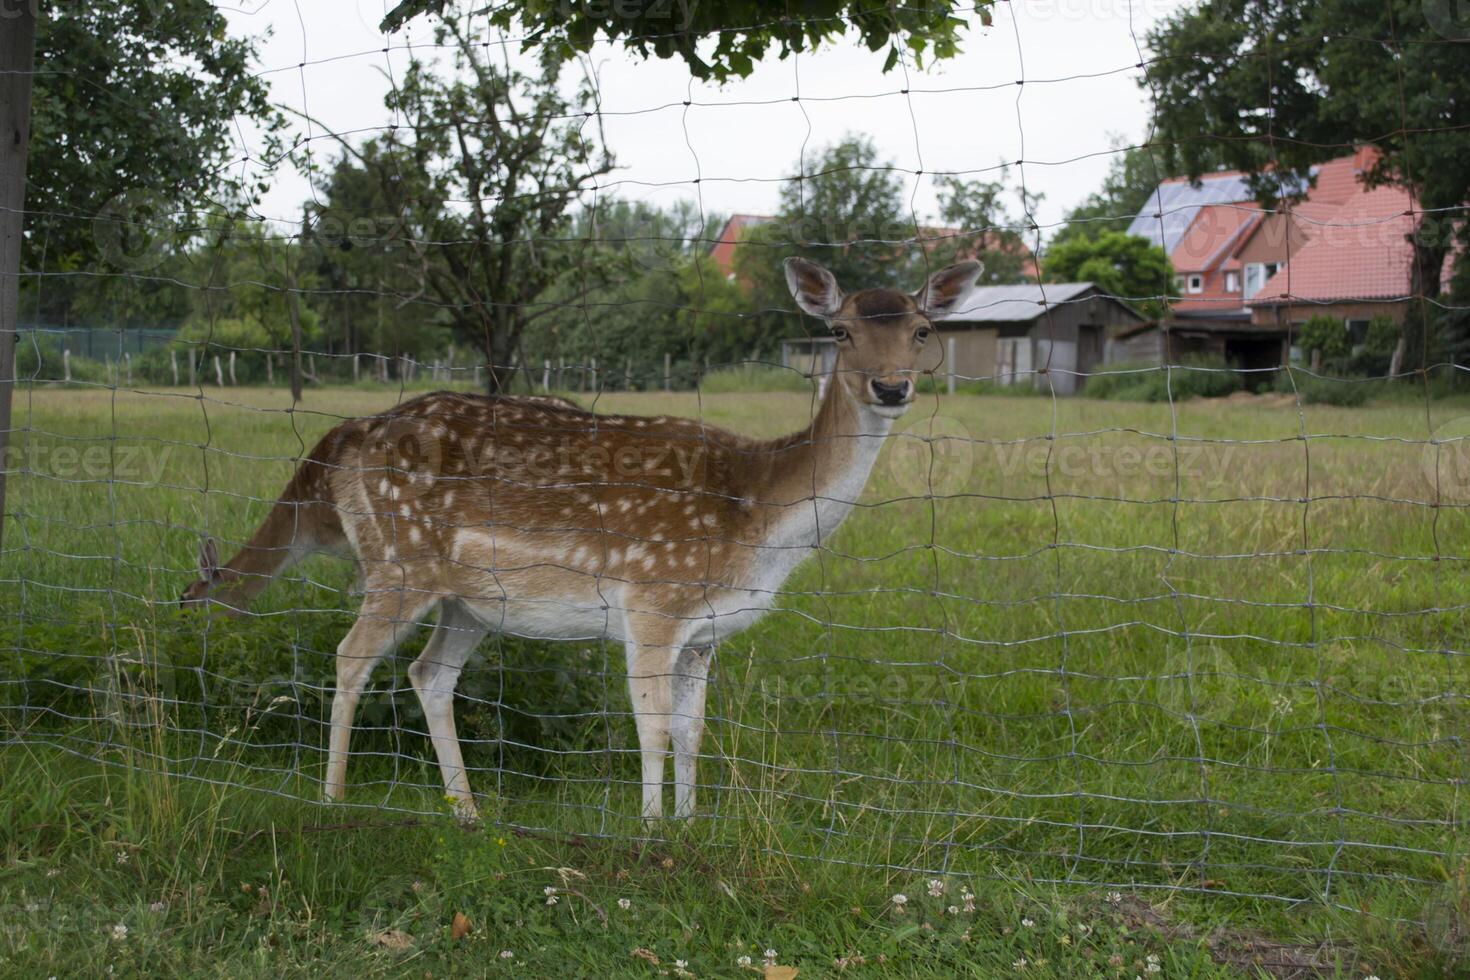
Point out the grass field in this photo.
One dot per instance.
(1186, 683)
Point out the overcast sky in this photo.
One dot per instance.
(1077, 57)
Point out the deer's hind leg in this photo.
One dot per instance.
(686, 724)
(385, 619)
(434, 675)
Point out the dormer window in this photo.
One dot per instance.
(1195, 284)
(1232, 282)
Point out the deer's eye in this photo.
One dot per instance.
(921, 335)
(840, 333)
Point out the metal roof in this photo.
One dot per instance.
(1178, 201)
(1009, 304)
(1172, 207)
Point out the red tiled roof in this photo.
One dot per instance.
(1357, 251)
(1211, 234)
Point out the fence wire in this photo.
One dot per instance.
(1176, 643)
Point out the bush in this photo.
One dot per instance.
(1329, 335)
(754, 377)
(1313, 390)
(43, 362)
(1199, 377)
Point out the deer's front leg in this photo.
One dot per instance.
(688, 685)
(650, 667)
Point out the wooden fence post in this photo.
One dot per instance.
(233, 382)
(219, 374)
(17, 55)
(949, 356)
(668, 370)
(65, 364)
(173, 362)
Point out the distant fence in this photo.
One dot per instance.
(95, 342)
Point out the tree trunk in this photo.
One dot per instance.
(1424, 276)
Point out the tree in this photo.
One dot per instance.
(847, 212)
(986, 230)
(483, 174)
(133, 111)
(1126, 266)
(742, 30)
(358, 249)
(1133, 174)
(1274, 87)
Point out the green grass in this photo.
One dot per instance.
(1003, 674)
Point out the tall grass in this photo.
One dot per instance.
(1073, 641)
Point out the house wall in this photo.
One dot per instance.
(974, 352)
(1269, 243)
(1146, 345)
(1302, 312)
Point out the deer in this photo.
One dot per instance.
(536, 518)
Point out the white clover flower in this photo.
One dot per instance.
(157, 907)
(742, 961)
(1020, 964)
(770, 957)
(625, 904)
(936, 887)
(1027, 923)
(548, 891)
(953, 910)
(900, 900)
(1114, 898)
(120, 932)
(1152, 968)
(506, 954)
(1152, 958)
(681, 964)
(551, 899)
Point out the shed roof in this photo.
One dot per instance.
(1025, 301)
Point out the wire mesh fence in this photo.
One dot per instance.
(1154, 638)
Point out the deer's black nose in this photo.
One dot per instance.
(890, 394)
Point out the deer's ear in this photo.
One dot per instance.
(208, 560)
(813, 287)
(946, 289)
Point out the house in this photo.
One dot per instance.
(722, 250)
(1247, 277)
(1048, 335)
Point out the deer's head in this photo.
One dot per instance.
(196, 596)
(881, 334)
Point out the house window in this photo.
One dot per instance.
(1179, 284)
(1232, 282)
(1357, 334)
(1196, 284)
(1012, 359)
(1256, 274)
